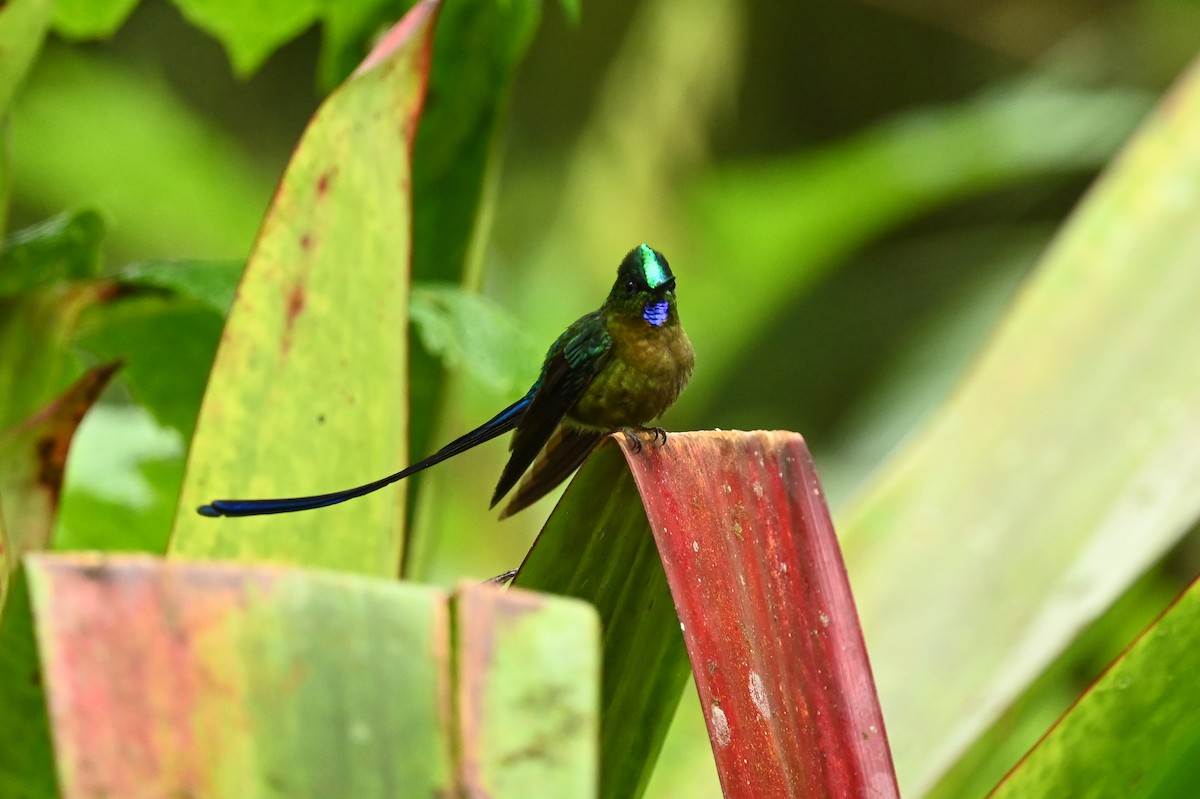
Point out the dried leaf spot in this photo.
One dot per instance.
(758, 489)
(758, 695)
(323, 184)
(295, 304)
(720, 727)
(306, 242)
(823, 617)
(695, 546)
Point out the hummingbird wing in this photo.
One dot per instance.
(571, 365)
(566, 451)
(501, 423)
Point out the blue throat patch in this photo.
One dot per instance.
(656, 312)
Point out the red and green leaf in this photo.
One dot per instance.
(173, 678)
(527, 689)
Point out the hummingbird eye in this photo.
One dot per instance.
(631, 287)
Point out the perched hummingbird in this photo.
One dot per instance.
(615, 369)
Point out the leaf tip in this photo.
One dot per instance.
(416, 19)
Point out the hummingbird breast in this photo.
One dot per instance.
(647, 370)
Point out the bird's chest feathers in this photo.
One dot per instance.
(644, 374)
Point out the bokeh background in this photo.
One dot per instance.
(849, 193)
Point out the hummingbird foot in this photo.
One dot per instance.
(633, 435)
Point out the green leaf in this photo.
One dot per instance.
(1059, 470)
(573, 9)
(7, 559)
(304, 392)
(90, 19)
(167, 346)
(475, 335)
(26, 759)
(1134, 732)
(250, 31)
(1025, 722)
(22, 29)
(476, 51)
(213, 283)
(66, 247)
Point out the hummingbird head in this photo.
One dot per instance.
(645, 286)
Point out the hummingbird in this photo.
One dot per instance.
(613, 370)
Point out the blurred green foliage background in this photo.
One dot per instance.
(848, 192)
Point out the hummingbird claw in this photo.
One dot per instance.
(633, 435)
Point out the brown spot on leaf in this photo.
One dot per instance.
(323, 184)
(296, 301)
(306, 242)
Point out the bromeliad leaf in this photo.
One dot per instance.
(303, 392)
(755, 576)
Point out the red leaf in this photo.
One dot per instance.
(761, 594)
